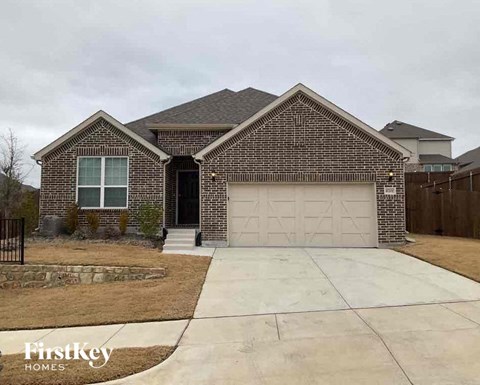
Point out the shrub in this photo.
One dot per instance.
(93, 221)
(123, 222)
(110, 232)
(149, 217)
(71, 220)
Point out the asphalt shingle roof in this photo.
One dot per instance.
(222, 107)
(436, 158)
(470, 160)
(402, 130)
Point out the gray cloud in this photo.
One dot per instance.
(60, 61)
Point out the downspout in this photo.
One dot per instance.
(405, 159)
(200, 192)
(40, 163)
(170, 158)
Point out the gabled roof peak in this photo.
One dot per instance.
(317, 98)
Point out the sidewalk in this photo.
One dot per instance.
(166, 333)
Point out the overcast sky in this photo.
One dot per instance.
(411, 60)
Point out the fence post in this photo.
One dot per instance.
(449, 182)
(471, 181)
(22, 242)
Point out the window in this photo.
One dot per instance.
(102, 182)
(437, 167)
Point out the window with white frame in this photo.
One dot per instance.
(102, 182)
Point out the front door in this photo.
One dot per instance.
(187, 198)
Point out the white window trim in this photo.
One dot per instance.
(102, 185)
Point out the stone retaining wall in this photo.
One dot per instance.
(17, 276)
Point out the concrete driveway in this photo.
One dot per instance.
(327, 316)
(245, 281)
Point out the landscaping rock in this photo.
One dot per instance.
(36, 276)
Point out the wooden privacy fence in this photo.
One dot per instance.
(442, 211)
(467, 180)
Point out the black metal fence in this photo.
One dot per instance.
(12, 241)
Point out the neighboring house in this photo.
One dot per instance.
(244, 168)
(431, 151)
(469, 161)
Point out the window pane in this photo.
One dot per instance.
(427, 168)
(89, 171)
(89, 197)
(115, 171)
(437, 167)
(115, 197)
(447, 167)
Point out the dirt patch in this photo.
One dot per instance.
(460, 255)
(122, 363)
(172, 297)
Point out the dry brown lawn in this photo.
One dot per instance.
(172, 297)
(122, 363)
(460, 255)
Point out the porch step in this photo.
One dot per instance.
(186, 246)
(180, 239)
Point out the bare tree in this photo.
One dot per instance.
(11, 166)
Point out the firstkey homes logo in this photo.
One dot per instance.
(96, 357)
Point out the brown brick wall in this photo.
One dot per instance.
(186, 142)
(58, 188)
(300, 141)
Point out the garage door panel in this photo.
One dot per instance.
(324, 215)
(355, 240)
(246, 238)
(318, 208)
(281, 239)
(355, 225)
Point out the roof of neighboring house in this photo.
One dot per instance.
(470, 160)
(402, 130)
(222, 107)
(436, 158)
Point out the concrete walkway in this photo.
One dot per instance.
(145, 334)
(421, 344)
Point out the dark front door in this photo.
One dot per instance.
(187, 198)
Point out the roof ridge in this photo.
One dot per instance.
(180, 105)
(257, 90)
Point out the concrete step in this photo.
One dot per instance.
(181, 231)
(180, 246)
(169, 241)
(180, 237)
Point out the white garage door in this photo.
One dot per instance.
(328, 215)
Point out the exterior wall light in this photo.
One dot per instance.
(390, 175)
(213, 175)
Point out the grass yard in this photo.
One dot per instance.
(460, 255)
(122, 363)
(172, 297)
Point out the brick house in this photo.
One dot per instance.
(244, 168)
